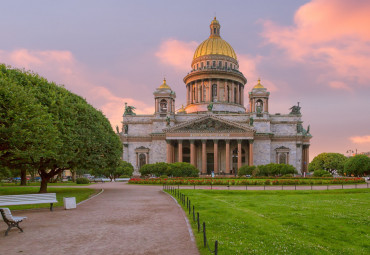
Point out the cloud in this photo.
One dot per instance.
(63, 68)
(248, 66)
(340, 85)
(360, 139)
(177, 54)
(331, 34)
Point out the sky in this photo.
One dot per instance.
(316, 52)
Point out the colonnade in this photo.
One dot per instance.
(305, 157)
(201, 91)
(202, 145)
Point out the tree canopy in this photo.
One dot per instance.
(358, 165)
(45, 126)
(330, 162)
(115, 171)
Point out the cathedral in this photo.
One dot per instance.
(216, 131)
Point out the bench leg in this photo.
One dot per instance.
(7, 231)
(51, 206)
(13, 225)
(19, 228)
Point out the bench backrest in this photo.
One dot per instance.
(28, 199)
(7, 215)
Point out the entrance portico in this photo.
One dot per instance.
(214, 144)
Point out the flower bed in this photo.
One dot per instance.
(242, 181)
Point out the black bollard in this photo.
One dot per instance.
(204, 234)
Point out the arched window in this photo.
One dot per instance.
(235, 95)
(163, 105)
(204, 93)
(214, 92)
(142, 160)
(193, 89)
(259, 106)
(282, 158)
(228, 94)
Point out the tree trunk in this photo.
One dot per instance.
(23, 177)
(74, 176)
(44, 185)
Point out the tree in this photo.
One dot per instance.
(330, 162)
(80, 136)
(113, 172)
(358, 165)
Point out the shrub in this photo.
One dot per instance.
(157, 169)
(164, 176)
(358, 165)
(124, 176)
(183, 169)
(320, 173)
(82, 180)
(246, 170)
(327, 175)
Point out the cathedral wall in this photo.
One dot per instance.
(158, 151)
(261, 155)
(284, 129)
(262, 126)
(294, 153)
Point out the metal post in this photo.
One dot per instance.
(216, 247)
(295, 187)
(342, 185)
(246, 187)
(187, 202)
(311, 186)
(211, 185)
(198, 223)
(264, 187)
(327, 187)
(204, 234)
(282, 187)
(189, 207)
(356, 186)
(194, 186)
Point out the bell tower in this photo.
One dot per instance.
(164, 99)
(258, 100)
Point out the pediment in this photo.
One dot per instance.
(209, 124)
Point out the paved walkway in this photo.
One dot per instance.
(124, 219)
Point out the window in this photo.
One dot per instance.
(193, 88)
(214, 30)
(142, 160)
(204, 93)
(214, 63)
(163, 105)
(282, 158)
(214, 92)
(228, 94)
(235, 95)
(207, 63)
(201, 65)
(219, 63)
(197, 66)
(225, 65)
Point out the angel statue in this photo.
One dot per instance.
(129, 110)
(295, 109)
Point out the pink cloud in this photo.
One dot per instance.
(63, 68)
(330, 33)
(177, 53)
(340, 85)
(360, 139)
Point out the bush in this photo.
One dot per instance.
(82, 180)
(274, 169)
(183, 169)
(321, 173)
(163, 176)
(327, 175)
(157, 169)
(124, 176)
(246, 170)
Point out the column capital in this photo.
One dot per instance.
(215, 141)
(240, 140)
(192, 141)
(204, 141)
(179, 141)
(251, 141)
(227, 141)
(168, 141)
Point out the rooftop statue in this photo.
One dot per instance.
(129, 110)
(210, 106)
(295, 109)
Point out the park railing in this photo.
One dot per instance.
(186, 202)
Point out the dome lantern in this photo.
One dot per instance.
(215, 29)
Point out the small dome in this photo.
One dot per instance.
(164, 85)
(182, 110)
(214, 45)
(258, 85)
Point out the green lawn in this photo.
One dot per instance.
(284, 222)
(80, 194)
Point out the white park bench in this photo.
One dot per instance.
(10, 220)
(27, 199)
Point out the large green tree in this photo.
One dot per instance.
(115, 171)
(79, 136)
(358, 165)
(330, 162)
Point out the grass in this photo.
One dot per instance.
(5, 184)
(284, 222)
(80, 194)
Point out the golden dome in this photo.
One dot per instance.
(258, 85)
(214, 45)
(164, 85)
(182, 110)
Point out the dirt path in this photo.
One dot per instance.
(124, 219)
